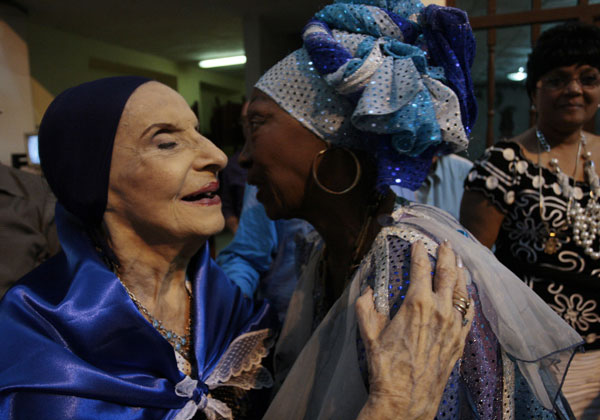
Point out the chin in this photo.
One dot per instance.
(217, 225)
(273, 206)
(273, 214)
(206, 228)
(573, 123)
(277, 212)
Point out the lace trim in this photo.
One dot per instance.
(508, 391)
(182, 363)
(240, 366)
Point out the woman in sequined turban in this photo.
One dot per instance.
(378, 88)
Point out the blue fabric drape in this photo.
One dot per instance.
(76, 347)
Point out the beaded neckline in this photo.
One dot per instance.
(585, 220)
(181, 343)
(517, 149)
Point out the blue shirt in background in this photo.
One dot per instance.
(261, 259)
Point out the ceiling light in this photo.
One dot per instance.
(222, 62)
(518, 76)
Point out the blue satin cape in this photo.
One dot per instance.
(74, 346)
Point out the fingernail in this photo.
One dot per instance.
(459, 262)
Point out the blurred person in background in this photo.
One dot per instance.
(536, 197)
(27, 229)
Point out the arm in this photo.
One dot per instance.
(411, 357)
(480, 217)
(491, 189)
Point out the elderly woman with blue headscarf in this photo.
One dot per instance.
(133, 320)
(378, 88)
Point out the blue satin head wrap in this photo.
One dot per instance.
(386, 76)
(76, 139)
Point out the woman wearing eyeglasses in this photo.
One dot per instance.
(536, 197)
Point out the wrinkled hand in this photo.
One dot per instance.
(410, 358)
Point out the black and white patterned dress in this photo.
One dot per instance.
(568, 280)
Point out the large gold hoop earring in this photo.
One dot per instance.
(315, 166)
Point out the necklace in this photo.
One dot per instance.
(585, 221)
(542, 140)
(181, 343)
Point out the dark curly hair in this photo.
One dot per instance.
(563, 45)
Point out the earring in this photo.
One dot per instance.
(533, 107)
(315, 166)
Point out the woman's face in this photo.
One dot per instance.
(278, 155)
(163, 175)
(567, 97)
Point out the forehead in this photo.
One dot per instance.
(154, 103)
(259, 98)
(572, 69)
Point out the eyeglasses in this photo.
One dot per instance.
(558, 82)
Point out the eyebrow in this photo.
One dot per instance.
(258, 98)
(580, 69)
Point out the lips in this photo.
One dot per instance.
(206, 195)
(571, 105)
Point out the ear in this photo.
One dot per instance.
(533, 99)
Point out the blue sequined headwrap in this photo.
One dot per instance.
(387, 76)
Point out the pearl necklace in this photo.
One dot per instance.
(586, 221)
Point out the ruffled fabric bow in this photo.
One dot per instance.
(239, 367)
(393, 69)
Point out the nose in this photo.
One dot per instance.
(574, 86)
(210, 158)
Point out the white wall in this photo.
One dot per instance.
(15, 92)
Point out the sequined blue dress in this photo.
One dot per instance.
(505, 369)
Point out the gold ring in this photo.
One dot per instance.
(465, 301)
(461, 309)
(460, 303)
